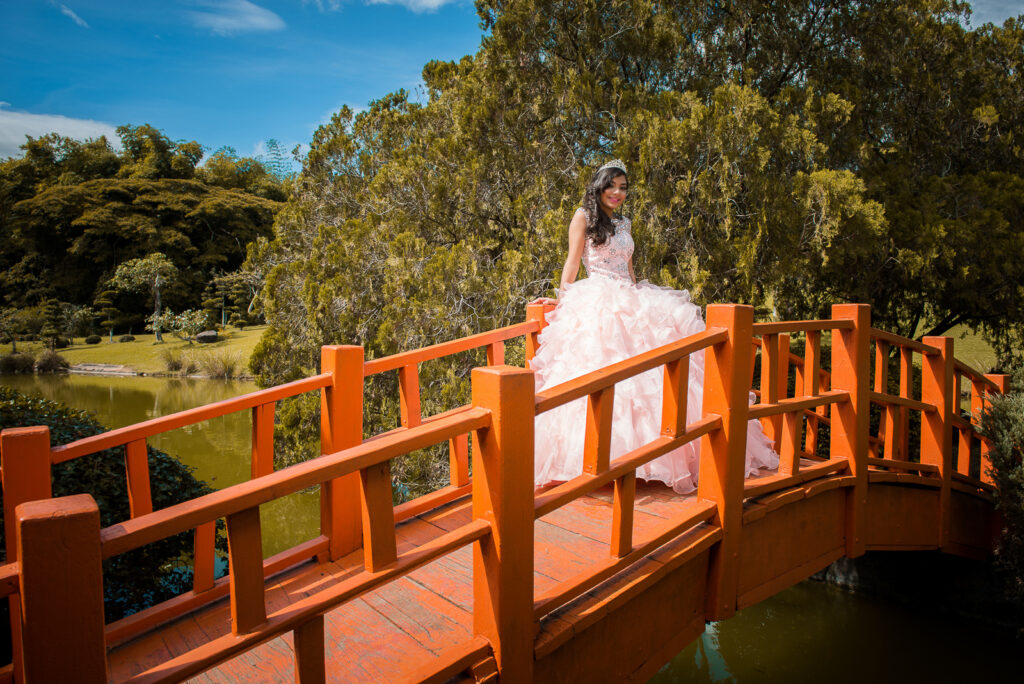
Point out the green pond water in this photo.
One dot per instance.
(218, 449)
(812, 632)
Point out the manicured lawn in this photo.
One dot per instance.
(972, 350)
(144, 354)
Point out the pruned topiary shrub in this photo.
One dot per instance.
(126, 338)
(51, 362)
(93, 339)
(61, 343)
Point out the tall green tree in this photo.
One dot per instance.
(786, 154)
(152, 273)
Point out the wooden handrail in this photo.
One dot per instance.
(777, 327)
(897, 340)
(884, 399)
(155, 426)
(606, 377)
(435, 351)
(146, 529)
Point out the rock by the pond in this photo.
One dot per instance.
(207, 336)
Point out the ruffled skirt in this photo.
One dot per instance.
(601, 320)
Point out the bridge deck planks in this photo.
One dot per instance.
(404, 624)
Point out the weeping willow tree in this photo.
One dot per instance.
(783, 154)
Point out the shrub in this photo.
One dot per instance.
(223, 365)
(1003, 423)
(61, 343)
(93, 339)
(137, 579)
(51, 362)
(17, 363)
(171, 359)
(126, 338)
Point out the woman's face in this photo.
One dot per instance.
(614, 195)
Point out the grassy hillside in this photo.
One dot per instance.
(145, 355)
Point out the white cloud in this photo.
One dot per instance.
(14, 126)
(417, 6)
(995, 11)
(414, 5)
(227, 17)
(69, 13)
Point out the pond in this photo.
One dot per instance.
(218, 450)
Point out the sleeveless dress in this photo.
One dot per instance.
(606, 318)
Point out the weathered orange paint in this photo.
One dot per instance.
(245, 568)
(849, 439)
(622, 515)
(309, 652)
(937, 425)
(203, 557)
(341, 426)
(379, 548)
(597, 440)
(61, 590)
(262, 462)
(503, 496)
(722, 452)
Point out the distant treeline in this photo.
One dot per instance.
(72, 211)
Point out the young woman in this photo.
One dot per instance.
(608, 317)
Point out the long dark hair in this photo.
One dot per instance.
(599, 225)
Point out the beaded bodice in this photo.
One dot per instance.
(612, 258)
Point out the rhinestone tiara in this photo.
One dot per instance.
(614, 164)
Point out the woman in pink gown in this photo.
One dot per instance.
(608, 317)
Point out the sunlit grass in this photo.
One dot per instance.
(144, 355)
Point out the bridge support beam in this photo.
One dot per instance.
(851, 364)
(503, 495)
(722, 452)
(937, 425)
(341, 427)
(61, 588)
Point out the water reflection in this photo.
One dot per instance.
(218, 449)
(814, 632)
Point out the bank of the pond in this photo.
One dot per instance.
(219, 449)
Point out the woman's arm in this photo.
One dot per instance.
(632, 275)
(577, 236)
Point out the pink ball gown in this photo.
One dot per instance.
(606, 318)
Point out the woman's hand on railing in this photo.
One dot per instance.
(547, 301)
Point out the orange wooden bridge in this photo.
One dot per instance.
(602, 578)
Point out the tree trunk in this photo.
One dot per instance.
(156, 320)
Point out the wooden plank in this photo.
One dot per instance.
(622, 515)
(597, 441)
(245, 568)
(136, 462)
(262, 460)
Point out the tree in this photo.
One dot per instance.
(71, 211)
(9, 325)
(76, 320)
(784, 154)
(185, 325)
(110, 313)
(152, 273)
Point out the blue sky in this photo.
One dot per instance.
(226, 72)
(223, 72)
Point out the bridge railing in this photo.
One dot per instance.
(26, 460)
(501, 420)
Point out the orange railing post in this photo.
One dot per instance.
(851, 362)
(503, 496)
(937, 426)
(341, 427)
(535, 312)
(25, 459)
(722, 452)
(61, 590)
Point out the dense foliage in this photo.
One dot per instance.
(1003, 423)
(139, 578)
(71, 212)
(784, 154)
